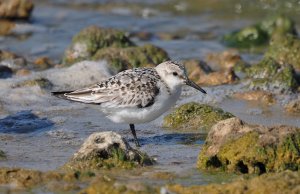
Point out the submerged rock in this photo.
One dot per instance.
(283, 182)
(107, 150)
(235, 146)
(269, 75)
(257, 95)
(194, 116)
(5, 72)
(261, 33)
(285, 50)
(94, 43)
(2, 155)
(43, 83)
(16, 9)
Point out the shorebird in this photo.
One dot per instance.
(136, 95)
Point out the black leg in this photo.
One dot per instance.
(134, 135)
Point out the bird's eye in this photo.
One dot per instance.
(175, 73)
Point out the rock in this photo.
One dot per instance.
(195, 69)
(257, 95)
(144, 36)
(2, 155)
(271, 76)
(218, 78)
(260, 33)
(91, 39)
(194, 116)
(94, 43)
(5, 72)
(43, 63)
(125, 58)
(107, 150)
(6, 27)
(23, 72)
(16, 9)
(12, 60)
(285, 50)
(284, 182)
(227, 59)
(43, 83)
(293, 106)
(235, 146)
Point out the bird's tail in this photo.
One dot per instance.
(61, 94)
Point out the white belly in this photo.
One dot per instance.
(163, 102)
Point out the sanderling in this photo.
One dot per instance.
(136, 95)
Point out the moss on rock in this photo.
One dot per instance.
(269, 75)
(106, 150)
(260, 33)
(235, 146)
(95, 43)
(125, 58)
(285, 50)
(284, 182)
(194, 116)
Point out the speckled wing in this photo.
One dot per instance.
(130, 88)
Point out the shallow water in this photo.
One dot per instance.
(63, 126)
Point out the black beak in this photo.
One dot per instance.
(194, 85)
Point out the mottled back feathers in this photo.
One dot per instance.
(130, 88)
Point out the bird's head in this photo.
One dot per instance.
(174, 74)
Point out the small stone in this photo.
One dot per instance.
(6, 27)
(293, 106)
(43, 63)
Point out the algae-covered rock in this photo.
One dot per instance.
(16, 9)
(260, 34)
(124, 58)
(283, 182)
(285, 50)
(194, 116)
(107, 150)
(91, 39)
(235, 146)
(2, 155)
(271, 76)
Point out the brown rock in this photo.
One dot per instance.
(6, 27)
(257, 95)
(196, 69)
(23, 72)
(43, 63)
(224, 60)
(218, 78)
(15, 9)
(293, 106)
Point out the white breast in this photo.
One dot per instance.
(163, 102)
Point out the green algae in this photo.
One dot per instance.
(194, 116)
(284, 182)
(260, 34)
(125, 58)
(269, 75)
(248, 154)
(285, 50)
